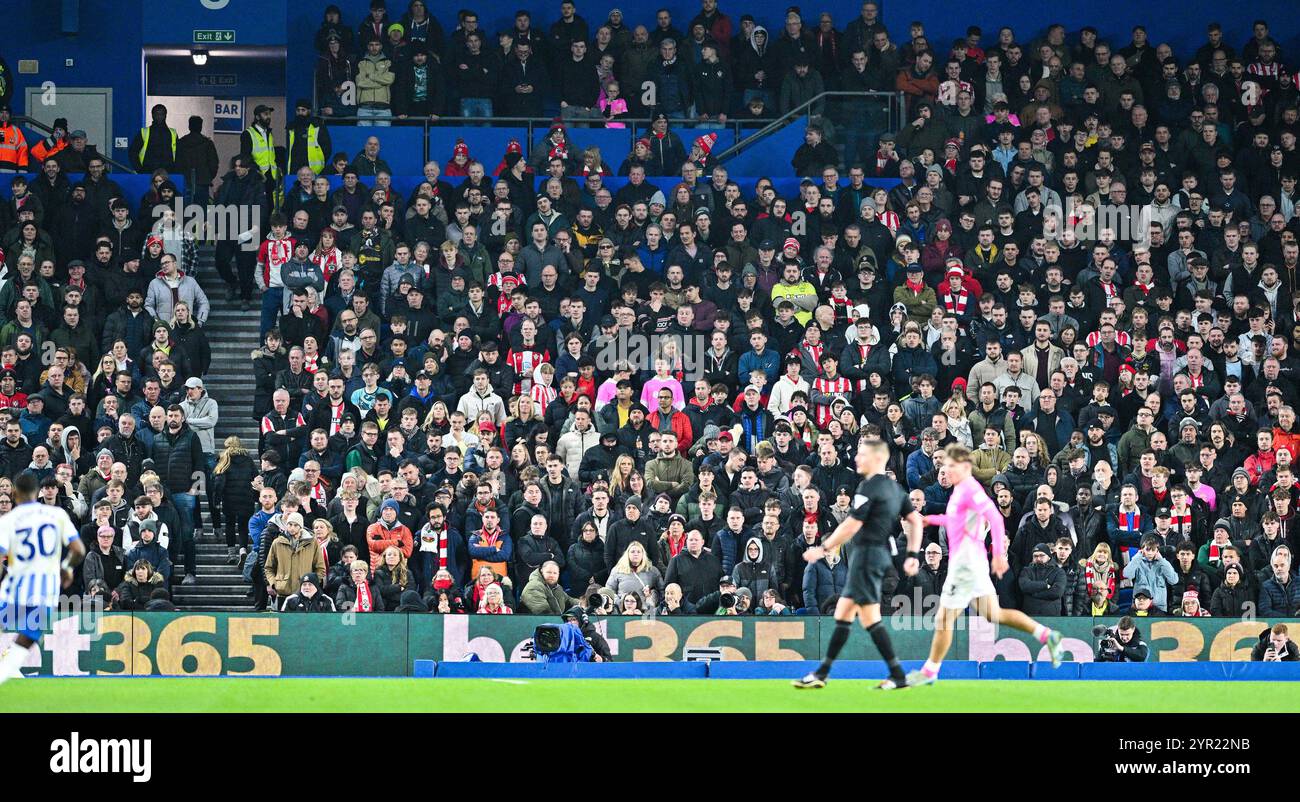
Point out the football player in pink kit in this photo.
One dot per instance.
(969, 509)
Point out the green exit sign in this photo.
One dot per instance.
(213, 37)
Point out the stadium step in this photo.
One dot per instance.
(233, 335)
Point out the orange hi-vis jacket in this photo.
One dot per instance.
(13, 148)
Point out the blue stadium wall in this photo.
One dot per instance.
(107, 48)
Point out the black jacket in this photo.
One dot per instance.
(196, 159)
(697, 576)
(346, 597)
(176, 457)
(319, 603)
(1042, 588)
(586, 565)
(234, 486)
(624, 533)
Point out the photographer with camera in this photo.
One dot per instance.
(573, 641)
(1121, 643)
(726, 600)
(1275, 646)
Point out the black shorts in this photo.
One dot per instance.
(868, 566)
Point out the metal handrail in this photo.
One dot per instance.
(40, 126)
(793, 114)
(634, 126)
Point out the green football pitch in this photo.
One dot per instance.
(293, 695)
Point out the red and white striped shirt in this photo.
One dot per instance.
(525, 361)
(1121, 337)
(836, 386)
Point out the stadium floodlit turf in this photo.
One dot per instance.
(293, 695)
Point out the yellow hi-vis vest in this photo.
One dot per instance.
(315, 156)
(263, 152)
(144, 142)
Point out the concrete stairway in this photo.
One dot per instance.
(232, 334)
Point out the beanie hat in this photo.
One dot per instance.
(390, 504)
(461, 149)
(706, 142)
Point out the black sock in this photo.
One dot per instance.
(838, 638)
(880, 636)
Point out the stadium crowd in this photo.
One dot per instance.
(1078, 257)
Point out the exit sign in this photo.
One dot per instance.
(213, 37)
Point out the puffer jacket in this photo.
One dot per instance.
(823, 583)
(1232, 601)
(909, 363)
(1074, 601)
(201, 418)
(176, 457)
(134, 595)
(538, 598)
(1042, 588)
(586, 565)
(158, 302)
(1278, 600)
(346, 597)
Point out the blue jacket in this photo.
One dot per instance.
(155, 554)
(919, 470)
(822, 583)
(655, 261)
(1063, 429)
(910, 362)
(726, 545)
(256, 525)
(36, 427)
(750, 361)
(1154, 575)
(936, 498)
(502, 554)
(1277, 600)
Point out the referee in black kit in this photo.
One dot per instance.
(878, 507)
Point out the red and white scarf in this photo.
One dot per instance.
(364, 603)
(956, 303)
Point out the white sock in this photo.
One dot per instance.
(13, 660)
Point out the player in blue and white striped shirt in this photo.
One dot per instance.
(32, 538)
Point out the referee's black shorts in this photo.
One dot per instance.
(868, 566)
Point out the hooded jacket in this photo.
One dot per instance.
(757, 574)
(133, 594)
(201, 418)
(287, 561)
(164, 293)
